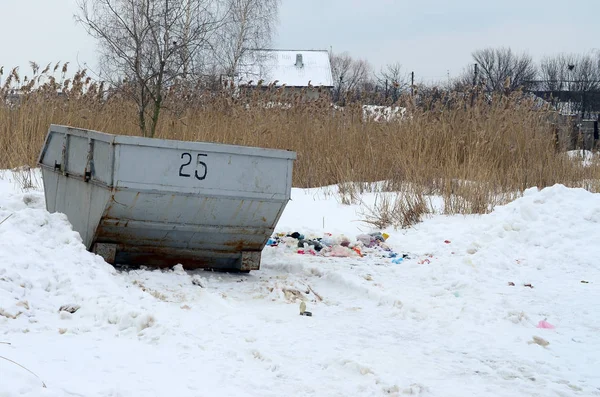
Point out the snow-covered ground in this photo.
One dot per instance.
(455, 318)
(383, 113)
(586, 157)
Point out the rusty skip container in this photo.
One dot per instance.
(158, 203)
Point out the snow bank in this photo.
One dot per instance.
(45, 267)
(458, 317)
(475, 290)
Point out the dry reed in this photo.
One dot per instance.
(476, 151)
(26, 369)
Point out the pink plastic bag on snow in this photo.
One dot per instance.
(545, 324)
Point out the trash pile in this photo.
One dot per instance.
(328, 245)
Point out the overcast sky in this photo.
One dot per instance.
(433, 38)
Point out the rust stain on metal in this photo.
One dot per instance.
(135, 199)
(238, 209)
(131, 238)
(167, 207)
(250, 261)
(237, 245)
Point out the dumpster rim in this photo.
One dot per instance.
(213, 147)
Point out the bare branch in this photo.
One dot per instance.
(502, 70)
(149, 45)
(249, 25)
(348, 74)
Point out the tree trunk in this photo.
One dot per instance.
(155, 115)
(142, 119)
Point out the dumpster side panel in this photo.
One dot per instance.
(51, 154)
(215, 204)
(89, 159)
(143, 167)
(223, 225)
(50, 181)
(71, 153)
(76, 155)
(102, 162)
(189, 209)
(82, 203)
(199, 237)
(65, 159)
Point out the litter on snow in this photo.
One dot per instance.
(545, 324)
(329, 245)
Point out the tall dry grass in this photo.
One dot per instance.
(474, 150)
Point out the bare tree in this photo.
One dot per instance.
(571, 78)
(393, 79)
(551, 74)
(466, 80)
(572, 72)
(348, 74)
(500, 69)
(148, 45)
(249, 25)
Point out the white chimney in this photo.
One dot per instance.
(299, 63)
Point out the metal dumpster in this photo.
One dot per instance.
(158, 203)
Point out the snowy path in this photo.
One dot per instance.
(448, 326)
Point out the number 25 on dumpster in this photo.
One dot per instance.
(201, 168)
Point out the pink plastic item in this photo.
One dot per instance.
(341, 252)
(545, 324)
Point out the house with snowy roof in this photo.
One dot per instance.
(307, 71)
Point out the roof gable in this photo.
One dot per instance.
(294, 68)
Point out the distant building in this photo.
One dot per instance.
(297, 70)
(577, 116)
